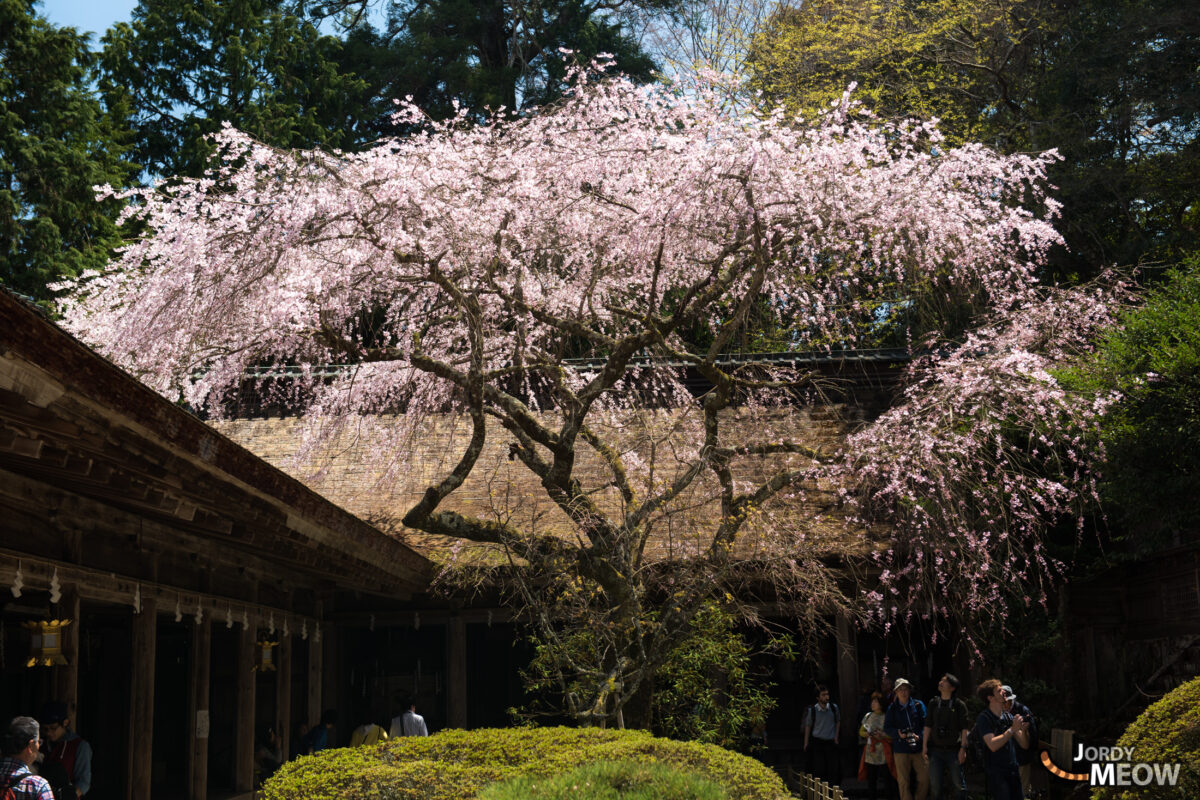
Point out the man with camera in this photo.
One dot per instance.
(999, 730)
(905, 724)
(946, 739)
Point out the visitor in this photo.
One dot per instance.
(946, 732)
(67, 757)
(822, 726)
(877, 761)
(905, 724)
(20, 750)
(410, 723)
(998, 729)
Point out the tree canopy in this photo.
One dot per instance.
(449, 54)
(1151, 360)
(56, 143)
(185, 68)
(1110, 84)
(454, 271)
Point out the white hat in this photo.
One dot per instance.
(901, 682)
(1008, 692)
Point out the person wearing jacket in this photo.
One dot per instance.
(904, 723)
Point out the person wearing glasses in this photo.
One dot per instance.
(20, 748)
(67, 761)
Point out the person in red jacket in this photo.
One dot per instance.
(67, 757)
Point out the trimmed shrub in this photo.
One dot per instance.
(456, 764)
(610, 780)
(1167, 732)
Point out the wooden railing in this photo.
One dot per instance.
(809, 788)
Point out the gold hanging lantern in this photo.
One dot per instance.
(45, 642)
(266, 658)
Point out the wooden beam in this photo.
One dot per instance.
(243, 754)
(456, 672)
(66, 676)
(141, 713)
(283, 694)
(198, 721)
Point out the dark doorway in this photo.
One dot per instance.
(172, 678)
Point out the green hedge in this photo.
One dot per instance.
(456, 765)
(610, 780)
(1167, 732)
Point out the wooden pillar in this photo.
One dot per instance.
(314, 681)
(456, 672)
(847, 671)
(283, 694)
(66, 677)
(332, 691)
(141, 689)
(243, 754)
(198, 710)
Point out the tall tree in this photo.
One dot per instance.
(488, 54)
(185, 68)
(56, 143)
(452, 273)
(1151, 361)
(1110, 84)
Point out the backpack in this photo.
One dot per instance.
(976, 754)
(935, 717)
(977, 749)
(10, 788)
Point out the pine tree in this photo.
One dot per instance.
(186, 67)
(487, 54)
(56, 143)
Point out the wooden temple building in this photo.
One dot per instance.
(156, 566)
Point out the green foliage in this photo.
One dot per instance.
(456, 764)
(899, 53)
(184, 67)
(1110, 83)
(625, 780)
(1152, 435)
(1030, 668)
(707, 691)
(484, 55)
(1168, 732)
(56, 142)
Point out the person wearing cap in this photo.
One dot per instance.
(67, 756)
(20, 748)
(1000, 732)
(1024, 754)
(905, 724)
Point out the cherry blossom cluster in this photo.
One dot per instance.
(985, 453)
(596, 213)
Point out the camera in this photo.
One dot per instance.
(910, 736)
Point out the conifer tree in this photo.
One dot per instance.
(56, 142)
(185, 68)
